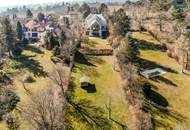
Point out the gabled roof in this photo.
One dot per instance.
(84, 79)
(92, 18)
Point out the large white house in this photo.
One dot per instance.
(96, 25)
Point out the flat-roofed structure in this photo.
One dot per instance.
(153, 72)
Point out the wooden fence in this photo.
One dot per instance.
(96, 52)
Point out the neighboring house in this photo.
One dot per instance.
(32, 35)
(180, 4)
(34, 25)
(33, 29)
(96, 25)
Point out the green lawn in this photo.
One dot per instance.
(171, 90)
(107, 83)
(96, 43)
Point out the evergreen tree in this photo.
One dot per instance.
(161, 5)
(50, 41)
(29, 13)
(120, 22)
(19, 31)
(94, 10)
(85, 10)
(85, 14)
(103, 8)
(8, 35)
(62, 38)
(41, 17)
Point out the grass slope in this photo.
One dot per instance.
(171, 91)
(35, 62)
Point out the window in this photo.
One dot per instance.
(34, 34)
(179, 1)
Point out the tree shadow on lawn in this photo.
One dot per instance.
(85, 66)
(96, 59)
(88, 60)
(82, 59)
(163, 79)
(144, 45)
(34, 49)
(145, 64)
(32, 65)
(86, 70)
(72, 87)
(157, 105)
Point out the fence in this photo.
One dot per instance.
(96, 52)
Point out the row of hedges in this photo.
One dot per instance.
(96, 52)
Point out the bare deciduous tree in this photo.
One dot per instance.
(54, 109)
(44, 111)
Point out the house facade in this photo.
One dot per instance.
(178, 4)
(96, 26)
(32, 35)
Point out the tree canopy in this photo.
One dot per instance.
(120, 22)
(85, 10)
(29, 13)
(40, 17)
(19, 31)
(8, 35)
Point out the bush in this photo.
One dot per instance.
(178, 14)
(12, 122)
(40, 17)
(29, 79)
(25, 41)
(17, 51)
(56, 51)
(8, 101)
(5, 79)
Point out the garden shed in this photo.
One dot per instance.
(84, 81)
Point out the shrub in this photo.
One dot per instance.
(41, 17)
(8, 101)
(178, 14)
(5, 79)
(17, 51)
(56, 51)
(25, 41)
(29, 79)
(12, 122)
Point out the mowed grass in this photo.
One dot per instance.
(107, 84)
(96, 43)
(171, 90)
